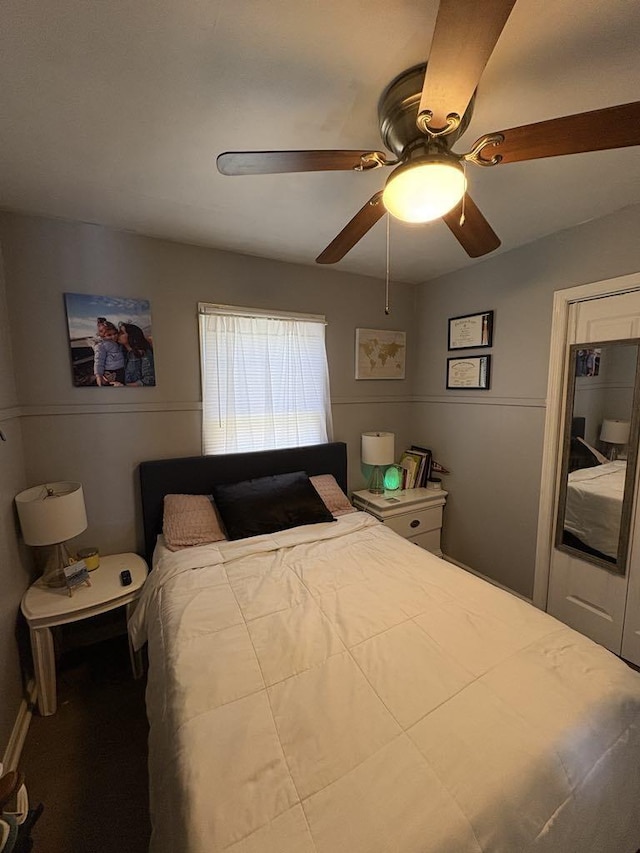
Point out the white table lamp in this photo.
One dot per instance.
(51, 514)
(378, 450)
(614, 433)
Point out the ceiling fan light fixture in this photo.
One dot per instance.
(424, 190)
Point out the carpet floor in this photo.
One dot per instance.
(88, 762)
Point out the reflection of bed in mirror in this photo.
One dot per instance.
(594, 508)
(594, 495)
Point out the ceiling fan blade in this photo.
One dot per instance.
(364, 219)
(465, 35)
(476, 236)
(274, 162)
(599, 130)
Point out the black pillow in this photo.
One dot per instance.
(269, 504)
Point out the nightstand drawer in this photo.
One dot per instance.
(430, 541)
(412, 523)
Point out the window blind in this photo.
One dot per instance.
(265, 380)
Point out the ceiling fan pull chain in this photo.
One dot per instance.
(387, 309)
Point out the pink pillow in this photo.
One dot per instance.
(190, 520)
(334, 498)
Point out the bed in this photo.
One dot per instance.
(333, 688)
(594, 506)
(594, 497)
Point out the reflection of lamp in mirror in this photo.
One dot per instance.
(615, 433)
(50, 515)
(378, 449)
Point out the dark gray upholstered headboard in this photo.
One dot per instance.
(578, 426)
(195, 475)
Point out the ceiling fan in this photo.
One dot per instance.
(421, 114)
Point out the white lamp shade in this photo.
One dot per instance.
(378, 448)
(51, 513)
(615, 432)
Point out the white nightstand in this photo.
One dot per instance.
(44, 608)
(415, 514)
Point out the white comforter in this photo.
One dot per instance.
(594, 505)
(336, 689)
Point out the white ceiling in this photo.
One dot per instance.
(114, 112)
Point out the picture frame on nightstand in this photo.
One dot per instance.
(76, 575)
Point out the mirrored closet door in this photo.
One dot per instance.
(594, 582)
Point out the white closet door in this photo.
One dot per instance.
(631, 631)
(589, 598)
(611, 318)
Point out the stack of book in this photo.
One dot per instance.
(416, 467)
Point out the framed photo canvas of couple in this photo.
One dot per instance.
(110, 341)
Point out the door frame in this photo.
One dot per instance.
(547, 508)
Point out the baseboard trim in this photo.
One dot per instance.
(485, 578)
(11, 757)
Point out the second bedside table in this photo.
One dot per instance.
(44, 608)
(415, 514)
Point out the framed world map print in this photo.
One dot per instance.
(380, 354)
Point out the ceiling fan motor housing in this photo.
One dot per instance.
(398, 111)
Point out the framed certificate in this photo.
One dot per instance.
(471, 331)
(473, 372)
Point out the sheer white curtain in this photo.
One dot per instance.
(265, 381)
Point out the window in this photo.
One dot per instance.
(265, 381)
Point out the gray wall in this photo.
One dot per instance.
(98, 436)
(14, 561)
(492, 440)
